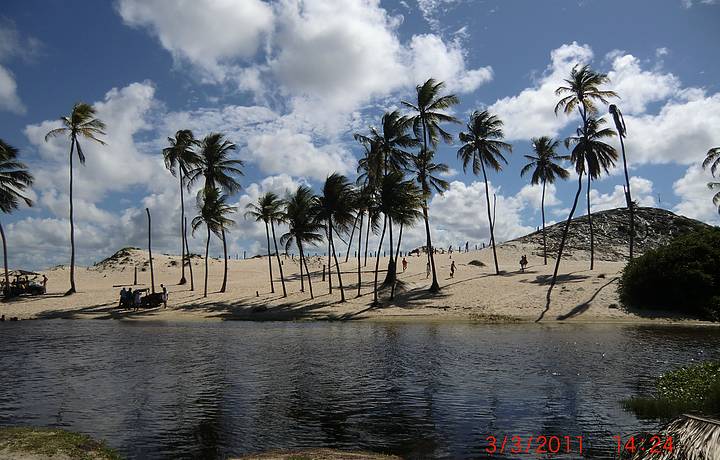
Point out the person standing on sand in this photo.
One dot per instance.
(427, 271)
(164, 295)
(452, 269)
(523, 263)
(404, 264)
(44, 284)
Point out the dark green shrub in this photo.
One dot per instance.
(683, 276)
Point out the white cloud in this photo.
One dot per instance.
(695, 196)
(641, 189)
(208, 33)
(531, 112)
(636, 87)
(9, 99)
(690, 3)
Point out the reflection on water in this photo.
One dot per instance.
(209, 390)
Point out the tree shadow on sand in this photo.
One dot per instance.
(583, 307)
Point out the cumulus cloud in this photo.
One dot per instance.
(208, 33)
(695, 196)
(636, 87)
(642, 194)
(9, 99)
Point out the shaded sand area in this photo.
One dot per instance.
(475, 293)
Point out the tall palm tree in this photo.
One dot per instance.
(213, 212)
(81, 123)
(429, 111)
(369, 171)
(267, 209)
(400, 200)
(179, 157)
(545, 169)
(14, 179)
(622, 133)
(303, 226)
(219, 170)
(712, 161)
(483, 145)
(582, 92)
(591, 156)
(336, 207)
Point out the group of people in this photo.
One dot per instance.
(130, 298)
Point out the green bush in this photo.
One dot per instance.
(683, 276)
(689, 389)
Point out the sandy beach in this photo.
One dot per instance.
(475, 293)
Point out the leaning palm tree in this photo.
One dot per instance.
(219, 170)
(267, 210)
(303, 226)
(179, 157)
(591, 156)
(622, 133)
(483, 146)
(429, 111)
(336, 207)
(400, 200)
(81, 123)
(545, 169)
(582, 92)
(213, 213)
(14, 179)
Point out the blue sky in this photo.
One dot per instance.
(290, 81)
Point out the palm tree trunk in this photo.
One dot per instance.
(434, 287)
(329, 264)
(352, 233)
(207, 251)
(542, 211)
(225, 269)
(267, 234)
(377, 264)
(367, 239)
(152, 273)
(182, 229)
(564, 237)
(189, 259)
(307, 271)
(628, 198)
(337, 265)
(397, 252)
(277, 256)
(302, 281)
(6, 290)
(490, 220)
(358, 253)
(592, 240)
(72, 224)
(391, 270)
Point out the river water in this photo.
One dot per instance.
(420, 390)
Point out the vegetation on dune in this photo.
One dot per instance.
(683, 276)
(693, 389)
(53, 442)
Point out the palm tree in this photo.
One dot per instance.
(336, 207)
(429, 113)
(591, 156)
(483, 145)
(582, 91)
(369, 172)
(80, 123)
(214, 210)
(622, 133)
(303, 227)
(180, 155)
(152, 272)
(545, 170)
(267, 209)
(712, 161)
(14, 179)
(399, 200)
(219, 170)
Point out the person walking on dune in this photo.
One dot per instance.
(404, 264)
(452, 269)
(427, 271)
